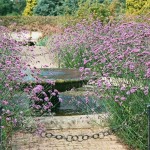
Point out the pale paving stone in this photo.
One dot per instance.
(39, 56)
(108, 143)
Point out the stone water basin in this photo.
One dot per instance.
(65, 79)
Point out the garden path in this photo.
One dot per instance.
(24, 141)
(40, 56)
(27, 141)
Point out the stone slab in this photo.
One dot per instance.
(26, 141)
(40, 57)
(70, 122)
(26, 36)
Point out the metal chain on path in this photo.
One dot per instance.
(80, 137)
(83, 137)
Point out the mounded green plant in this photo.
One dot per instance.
(104, 11)
(11, 8)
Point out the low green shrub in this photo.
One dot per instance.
(104, 11)
(46, 25)
(27, 20)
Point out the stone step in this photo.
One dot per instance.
(70, 122)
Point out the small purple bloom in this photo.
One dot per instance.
(46, 98)
(38, 89)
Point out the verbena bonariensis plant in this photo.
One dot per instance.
(11, 65)
(13, 70)
(118, 57)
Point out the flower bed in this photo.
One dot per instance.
(120, 51)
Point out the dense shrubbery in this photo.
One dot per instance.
(57, 7)
(8, 7)
(70, 7)
(70, 10)
(48, 8)
(137, 7)
(104, 11)
(118, 56)
(81, 9)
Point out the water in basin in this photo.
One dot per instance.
(54, 74)
(64, 74)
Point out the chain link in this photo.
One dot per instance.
(71, 138)
(79, 138)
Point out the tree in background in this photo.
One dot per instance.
(57, 7)
(30, 4)
(137, 7)
(49, 7)
(70, 6)
(12, 7)
(6, 7)
(80, 8)
(19, 6)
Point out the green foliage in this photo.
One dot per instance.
(132, 116)
(137, 7)
(42, 42)
(70, 6)
(56, 7)
(6, 6)
(19, 6)
(81, 9)
(48, 7)
(102, 10)
(29, 7)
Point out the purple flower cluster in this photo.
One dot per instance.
(11, 64)
(41, 98)
(12, 70)
(119, 50)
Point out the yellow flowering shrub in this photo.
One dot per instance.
(30, 4)
(137, 7)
